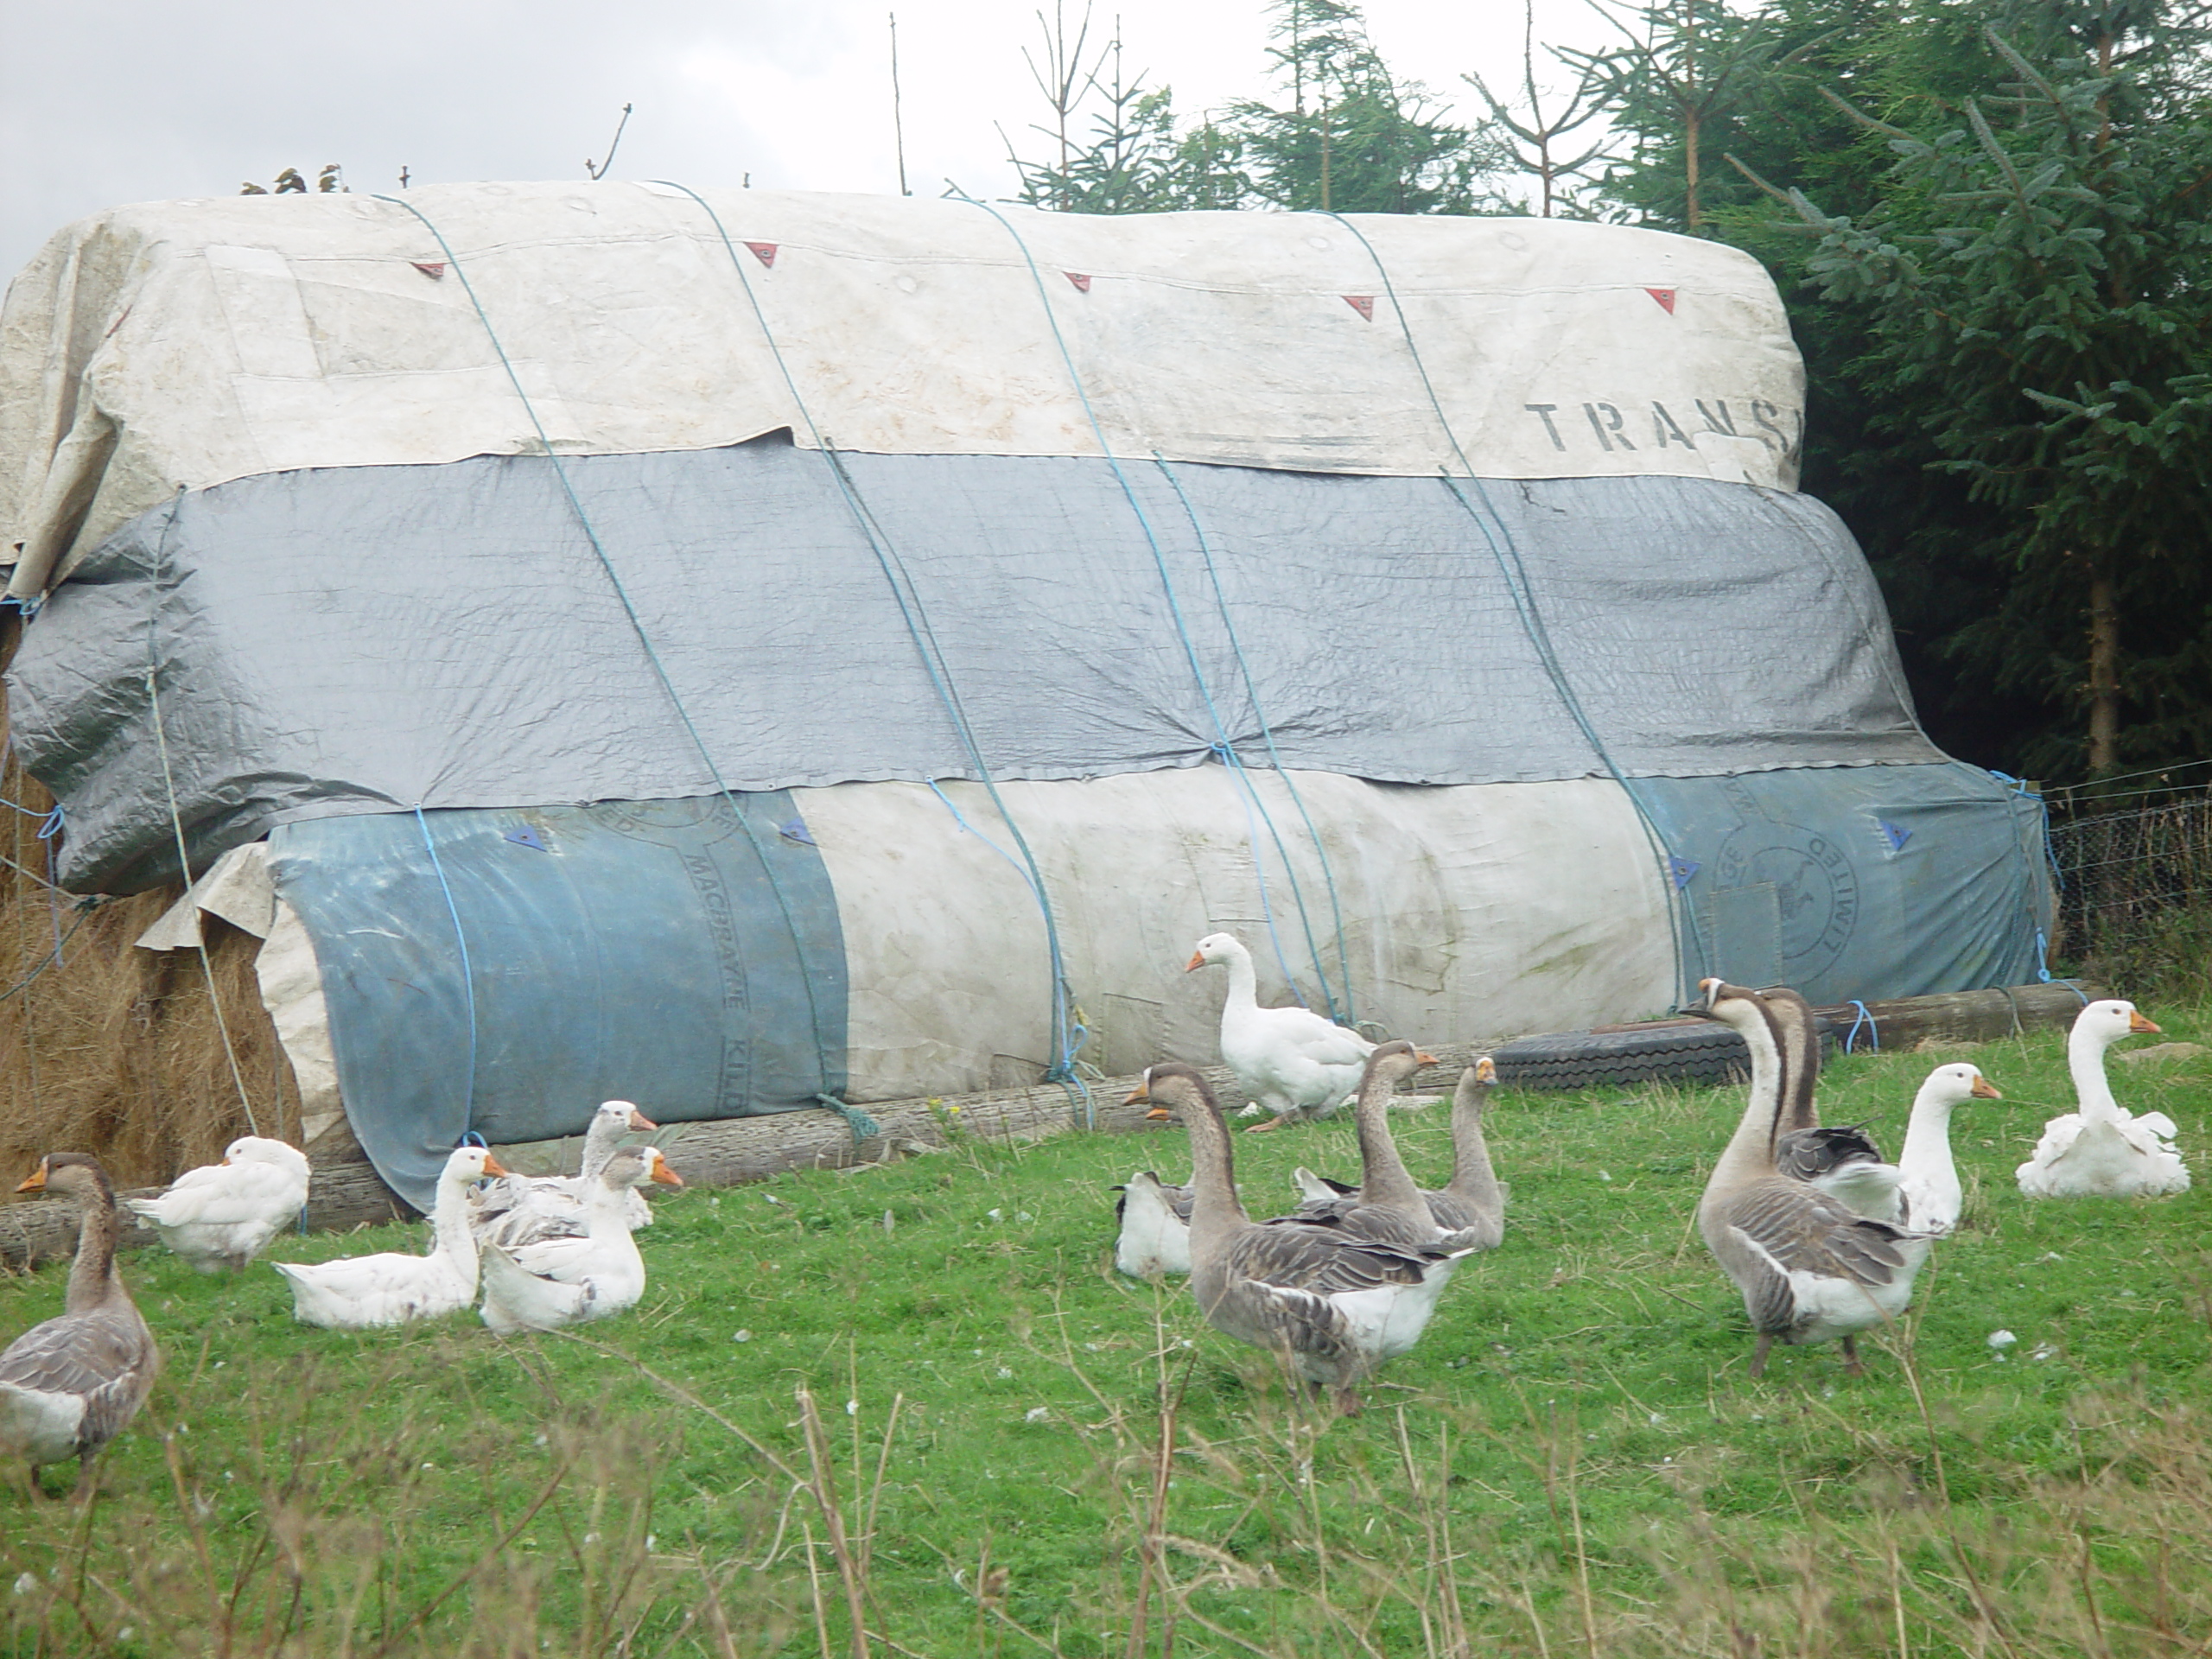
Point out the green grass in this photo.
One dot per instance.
(939, 1355)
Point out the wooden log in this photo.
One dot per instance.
(1963, 1016)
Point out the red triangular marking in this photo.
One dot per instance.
(1081, 283)
(433, 269)
(1363, 303)
(764, 251)
(1665, 296)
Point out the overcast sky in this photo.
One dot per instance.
(106, 101)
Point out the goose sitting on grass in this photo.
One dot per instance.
(519, 1209)
(222, 1215)
(67, 1386)
(1473, 1206)
(2103, 1151)
(1329, 1304)
(565, 1281)
(1290, 1061)
(1810, 1269)
(361, 1292)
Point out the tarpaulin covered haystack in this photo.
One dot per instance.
(742, 651)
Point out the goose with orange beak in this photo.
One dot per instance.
(564, 1280)
(2103, 1150)
(1329, 1305)
(361, 1292)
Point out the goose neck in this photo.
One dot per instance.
(1216, 1211)
(449, 1222)
(2085, 1061)
(93, 1277)
(1750, 1152)
(1385, 1178)
(1472, 1178)
(1244, 979)
(1928, 1133)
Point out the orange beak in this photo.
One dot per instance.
(664, 1174)
(493, 1166)
(639, 1120)
(1142, 1091)
(1984, 1089)
(1159, 1115)
(1196, 963)
(35, 1181)
(1426, 1058)
(2137, 1023)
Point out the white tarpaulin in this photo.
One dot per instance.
(172, 345)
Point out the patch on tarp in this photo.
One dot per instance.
(625, 950)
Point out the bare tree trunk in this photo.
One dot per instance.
(2104, 676)
(1690, 149)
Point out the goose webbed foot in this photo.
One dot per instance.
(1272, 1123)
(1758, 1355)
(1851, 1361)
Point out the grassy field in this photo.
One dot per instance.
(918, 1398)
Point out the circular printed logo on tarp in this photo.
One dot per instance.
(1816, 889)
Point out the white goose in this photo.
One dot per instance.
(2103, 1151)
(1291, 1061)
(1930, 1196)
(1154, 1235)
(1809, 1269)
(222, 1215)
(566, 1281)
(357, 1293)
(1332, 1305)
(521, 1210)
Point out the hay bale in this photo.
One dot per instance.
(114, 1051)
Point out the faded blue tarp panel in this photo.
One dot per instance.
(1861, 882)
(359, 640)
(619, 952)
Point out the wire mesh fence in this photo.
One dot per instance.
(2135, 899)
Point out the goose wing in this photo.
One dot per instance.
(1808, 1155)
(1325, 1258)
(225, 1195)
(104, 1357)
(1795, 1230)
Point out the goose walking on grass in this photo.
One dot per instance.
(223, 1215)
(67, 1386)
(1330, 1304)
(361, 1292)
(519, 1209)
(566, 1280)
(2103, 1150)
(1472, 1205)
(1290, 1061)
(1810, 1269)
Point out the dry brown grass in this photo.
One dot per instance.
(113, 1050)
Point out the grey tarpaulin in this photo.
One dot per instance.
(630, 951)
(357, 639)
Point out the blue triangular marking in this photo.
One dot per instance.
(797, 830)
(1682, 870)
(1897, 837)
(528, 837)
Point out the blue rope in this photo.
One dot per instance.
(1259, 869)
(1267, 737)
(1865, 1019)
(1524, 604)
(1348, 1012)
(1067, 1033)
(644, 640)
(467, 974)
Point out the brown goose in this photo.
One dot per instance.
(1472, 1207)
(1809, 1269)
(1333, 1305)
(68, 1386)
